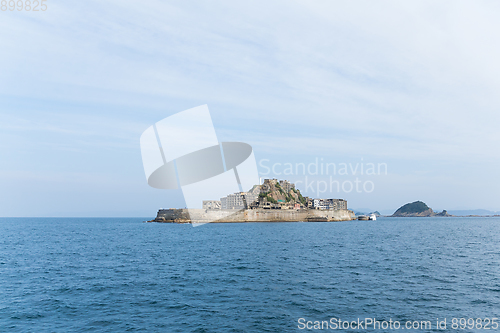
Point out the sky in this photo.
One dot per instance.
(409, 85)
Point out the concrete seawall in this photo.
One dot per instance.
(253, 215)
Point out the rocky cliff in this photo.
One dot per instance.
(274, 192)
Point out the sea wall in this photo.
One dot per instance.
(252, 215)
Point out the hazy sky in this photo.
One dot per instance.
(413, 85)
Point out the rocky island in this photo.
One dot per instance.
(271, 201)
(417, 209)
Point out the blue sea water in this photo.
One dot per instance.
(123, 275)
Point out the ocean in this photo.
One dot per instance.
(123, 275)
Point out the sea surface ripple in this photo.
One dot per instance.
(122, 275)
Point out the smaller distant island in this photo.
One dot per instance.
(417, 209)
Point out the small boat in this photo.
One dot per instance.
(372, 217)
(363, 218)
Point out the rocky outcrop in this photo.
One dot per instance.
(274, 192)
(443, 213)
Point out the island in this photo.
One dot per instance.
(417, 209)
(271, 201)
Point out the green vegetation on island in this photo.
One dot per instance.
(417, 209)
